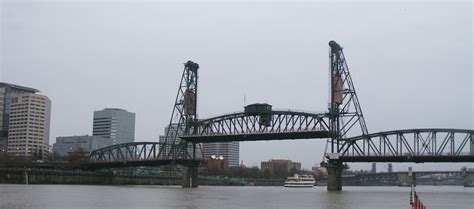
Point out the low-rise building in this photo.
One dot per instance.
(217, 165)
(281, 168)
(65, 145)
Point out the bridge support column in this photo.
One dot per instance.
(469, 179)
(334, 176)
(406, 179)
(190, 177)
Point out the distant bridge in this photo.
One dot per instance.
(407, 178)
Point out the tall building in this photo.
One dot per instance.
(7, 92)
(28, 131)
(118, 125)
(66, 145)
(172, 132)
(163, 139)
(229, 150)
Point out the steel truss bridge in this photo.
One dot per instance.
(411, 145)
(242, 126)
(131, 155)
(343, 126)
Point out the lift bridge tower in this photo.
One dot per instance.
(345, 113)
(183, 117)
(183, 121)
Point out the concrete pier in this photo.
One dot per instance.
(406, 179)
(334, 176)
(468, 179)
(190, 177)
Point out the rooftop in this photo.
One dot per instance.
(114, 109)
(23, 88)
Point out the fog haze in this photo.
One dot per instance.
(411, 62)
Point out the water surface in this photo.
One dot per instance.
(226, 197)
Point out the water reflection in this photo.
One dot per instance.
(207, 197)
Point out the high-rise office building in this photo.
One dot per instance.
(7, 92)
(162, 138)
(169, 141)
(229, 150)
(29, 123)
(118, 125)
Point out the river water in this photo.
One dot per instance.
(226, 197)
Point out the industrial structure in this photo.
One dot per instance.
(343, 126)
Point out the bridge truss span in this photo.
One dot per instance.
(132, 155)
(273, 125)
(126, 152)
(410, 145)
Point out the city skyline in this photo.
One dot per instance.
(135, 63)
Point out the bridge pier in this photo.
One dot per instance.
(334, 175)
(406, 179)
(468, 179)
(190, 177)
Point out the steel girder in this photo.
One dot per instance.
(410, 145)
(133, 155)
(136, 151)
(244, 127)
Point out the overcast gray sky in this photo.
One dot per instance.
(411, 62)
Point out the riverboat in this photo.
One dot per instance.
(300, 181)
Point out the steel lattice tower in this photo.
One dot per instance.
(183, 117)
(344, 108)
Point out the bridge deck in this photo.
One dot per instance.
(257, 136)
(412, 159)
(136, 163)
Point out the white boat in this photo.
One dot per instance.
(300, 181)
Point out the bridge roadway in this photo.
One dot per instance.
(411, 145)
(137, 163)
(408, 159)
(257, 136)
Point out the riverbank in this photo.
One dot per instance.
(47, 176)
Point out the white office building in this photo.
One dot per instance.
(7, 92)
(29, 123)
